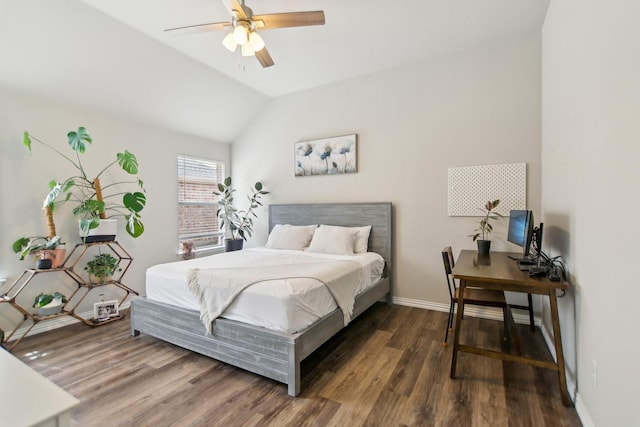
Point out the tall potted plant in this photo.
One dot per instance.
(485, 228)
(95, 201)
(238, 224)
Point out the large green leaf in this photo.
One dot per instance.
(128, 162)
(79, 140)
(135, 202)
(134, 227)
(20, 243)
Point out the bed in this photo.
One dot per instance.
(268, 352)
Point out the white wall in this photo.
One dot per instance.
(590, 151)
(24, 180)
(470, 108)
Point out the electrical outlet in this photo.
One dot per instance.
(594, 373)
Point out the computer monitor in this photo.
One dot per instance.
(521, 229)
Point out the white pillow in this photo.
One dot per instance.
(361, 244)
(285, 236)
(330, 239)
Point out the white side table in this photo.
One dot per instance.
(29, 399)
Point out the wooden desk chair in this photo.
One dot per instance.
(473, 296)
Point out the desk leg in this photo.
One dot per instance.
(456, 336)
(557, 338)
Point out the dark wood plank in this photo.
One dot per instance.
(387, 368)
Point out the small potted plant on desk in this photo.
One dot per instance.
(238, 224)
(101, 268)
(485, 228)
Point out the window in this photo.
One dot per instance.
(197, 205)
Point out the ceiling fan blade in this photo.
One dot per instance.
(264, 58)
(292, 19)
(200, 28)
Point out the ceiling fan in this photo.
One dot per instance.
(243, 26)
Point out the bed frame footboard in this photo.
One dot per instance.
(269, 353)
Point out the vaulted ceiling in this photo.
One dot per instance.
(113, 55)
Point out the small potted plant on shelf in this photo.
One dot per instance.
(48, 248)
(48, 304)
(238, 224)
(92, 204)
(102, 267)
(485, 228)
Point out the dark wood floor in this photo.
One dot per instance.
(388, 368)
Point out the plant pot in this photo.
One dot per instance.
(104, 232)
(231, 245)
(56, 256)
(48, 311)
(54, 307)
(483, 246)
(43, 264)
(95, 279)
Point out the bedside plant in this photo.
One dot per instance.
(101, 268)
(239, 223)
(484, 226)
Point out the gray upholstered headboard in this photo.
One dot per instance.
(377, 215)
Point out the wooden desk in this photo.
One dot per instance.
(497, 271)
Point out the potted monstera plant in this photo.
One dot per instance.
(484, 226)
(238, 224)
(94, 202)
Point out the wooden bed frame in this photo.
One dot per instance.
(273, 354)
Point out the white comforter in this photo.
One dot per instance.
(287, 305)
(216, 288)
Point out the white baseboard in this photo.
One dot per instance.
(473, 311)
(58, 322)
(583, 414)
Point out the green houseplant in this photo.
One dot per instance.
(47, 304)
(93, 200)
(49, 247)
(238, 224)
(484, 226)
(31, 245)
(101, 268)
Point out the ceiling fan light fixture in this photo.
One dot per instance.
(229, 42)
(257, 44)
(241, 33)
(247, 50)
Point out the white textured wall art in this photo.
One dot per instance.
(326, 156)
(472, 186)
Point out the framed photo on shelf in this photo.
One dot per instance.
(104, 310)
